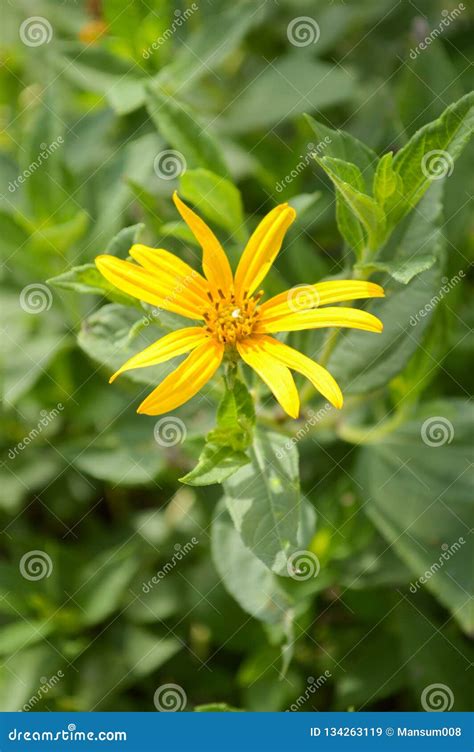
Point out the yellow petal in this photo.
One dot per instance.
(319, 376)
(214, 260)
(186, 380)
(302, 297)
(169, 346)
(262, 249)
(276, 376)
(173, 271)
(353, 318)
(139, 283)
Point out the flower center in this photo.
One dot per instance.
(231, 320)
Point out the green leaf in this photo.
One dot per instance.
(342, 145)
(87, 279)
(289, 86)
(431, 152)
(417, 480)
(255, 588)
(347, 180)
(402, 270)
(224, 451)
(386, 180)
(123, 241)
(114, 333)
(363, 361)
(263, 499)
(180, 128)
(216, 198)
(216, 464)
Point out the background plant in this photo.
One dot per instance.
(309, 558)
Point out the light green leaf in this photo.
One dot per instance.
(386, 180)
(263, 499)
(87, 279)
(216, 464)
(224, 451)
(402, 270)
(216, 198)
(180, 128)
(123, 241)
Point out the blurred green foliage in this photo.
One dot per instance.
(92, 94)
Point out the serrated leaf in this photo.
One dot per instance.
(402, 270)
(216, 464)
(123, 241)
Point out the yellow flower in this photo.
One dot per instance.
(231, 315)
